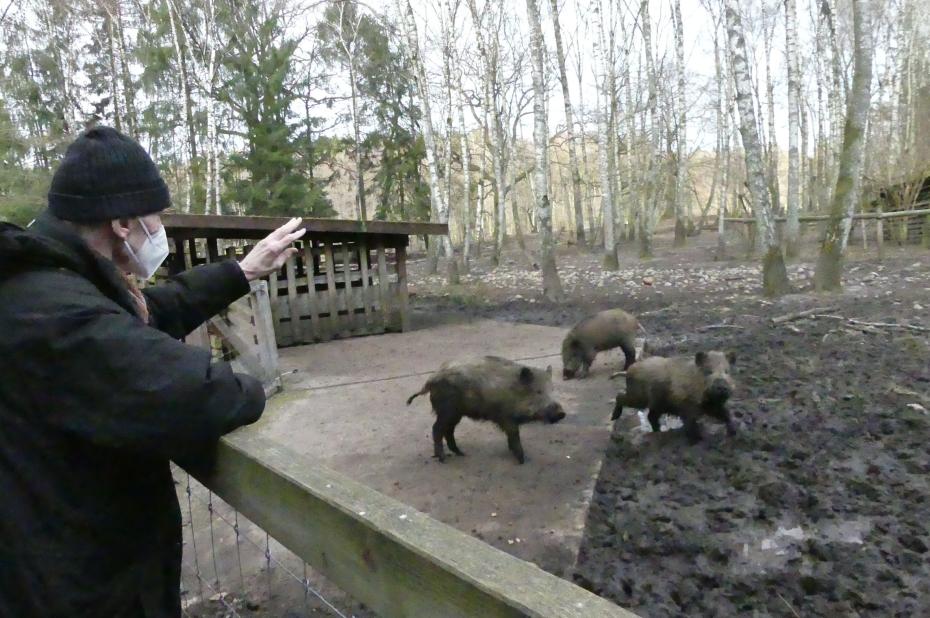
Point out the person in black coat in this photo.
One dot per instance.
(98, 393)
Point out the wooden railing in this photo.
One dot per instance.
(385, 554)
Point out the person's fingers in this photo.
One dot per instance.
(284, 256)
(285, 229)
(287, 240)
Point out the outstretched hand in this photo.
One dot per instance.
(273, 251)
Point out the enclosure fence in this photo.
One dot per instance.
(263, 577)
(870, 231)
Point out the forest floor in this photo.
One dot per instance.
(819, 507)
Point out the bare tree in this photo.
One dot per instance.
(347, 36)
(487, 28)
(466, 175)
(792, 226)
(650, 209)
(569, 127)
(829, 271)
(602, 57)
(681, 138)
(552, 286)
(774, 274)
(185, 83)
(436, 193)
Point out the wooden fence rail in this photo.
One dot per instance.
(387, 555)
(856, 216)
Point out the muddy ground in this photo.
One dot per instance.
(820, 506)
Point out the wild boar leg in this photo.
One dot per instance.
(728, 420)
(439, 430)
(629, 354)
(654, 417)
(513, 442)
(622, 400)
(450, 437)
(692, 428)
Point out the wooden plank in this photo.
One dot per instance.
(348, 292)
(402, 294)
(178, 262)
(231, 226)
(292, 300)
(264, 330)
(244, 349)
(192, 251)
(363, 257)
(332, 300)
(384, 292)
(385, 554)
(213, 250)
(316, 326)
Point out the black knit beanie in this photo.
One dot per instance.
(106, 175)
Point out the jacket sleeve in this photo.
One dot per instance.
(189, 299)
(118, 383)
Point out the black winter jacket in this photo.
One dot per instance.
(93, 404)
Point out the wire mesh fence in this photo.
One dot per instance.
(232, 567)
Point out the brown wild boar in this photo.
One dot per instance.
(683, 386)
(603, 331)
(493, 389)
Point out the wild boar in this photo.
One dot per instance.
(683, 386)
(493, 389)
(603, 331)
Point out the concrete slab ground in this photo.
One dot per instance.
(344, 407)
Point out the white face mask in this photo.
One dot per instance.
(154, 250)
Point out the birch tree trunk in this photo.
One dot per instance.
(828, 276)
(552, 286)
(348, 43)
(650, 204)
(360, 204)
(488, 48)
(681, 164)
(610, 261)
(768, 34)
(128, 90)
(569, 128)
(589, 206)
(445, 27)
(634, 187)
(466, 175)
(835, 98)
(410, 25)
(774, 274)
(482, 192)
(115, 89)
(184, 80)
(723, 144)
(792, 226)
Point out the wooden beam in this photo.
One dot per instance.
(229, 226)
(383, 553)
(894, 214)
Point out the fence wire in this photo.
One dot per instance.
(227, 585)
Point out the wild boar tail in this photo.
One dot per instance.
(422, 391)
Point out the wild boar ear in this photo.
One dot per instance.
(700, 358)
(526, 375)
(731, 357)
(549, 370)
